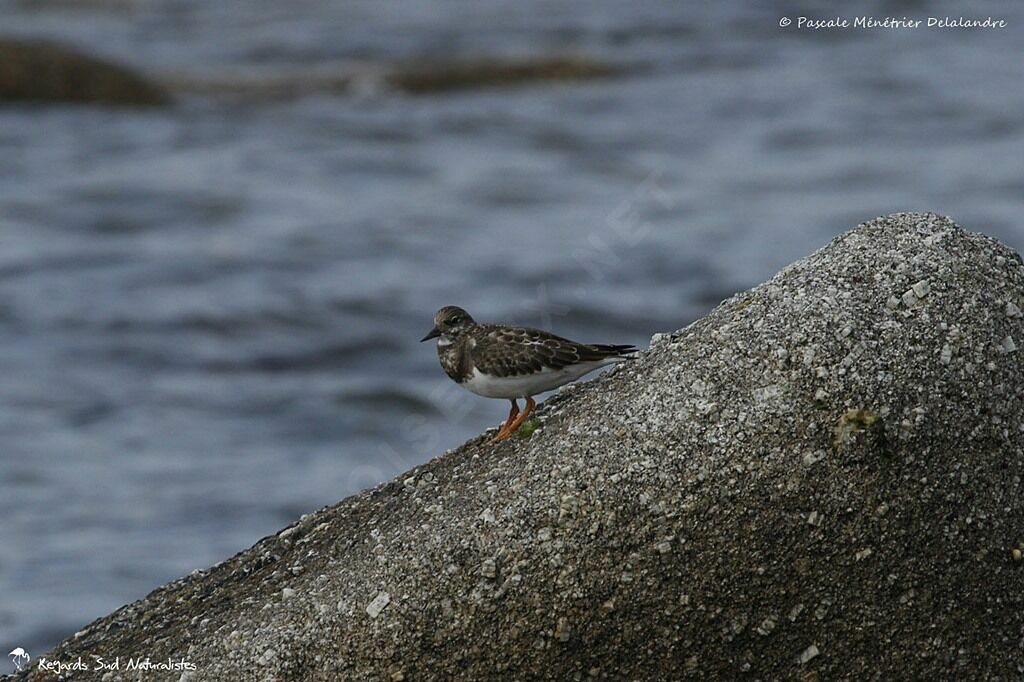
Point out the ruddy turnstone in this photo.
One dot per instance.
(496, 361)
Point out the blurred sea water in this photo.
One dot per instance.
(209, 314)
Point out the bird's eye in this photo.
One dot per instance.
(455, 320)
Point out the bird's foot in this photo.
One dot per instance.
(515, 421)
(504, 432)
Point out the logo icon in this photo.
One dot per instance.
(20, 658)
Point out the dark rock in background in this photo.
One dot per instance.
(421, 78)
(821, 478)
(40, 71)
(442, 76)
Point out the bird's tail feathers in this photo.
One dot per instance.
(615, 350)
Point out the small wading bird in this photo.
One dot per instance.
(496, 361)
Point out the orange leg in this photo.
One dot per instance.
(502, 432)
(514, 426)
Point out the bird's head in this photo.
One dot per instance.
(449, 322)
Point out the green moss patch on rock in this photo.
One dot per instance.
(528, 428)
(859, 431)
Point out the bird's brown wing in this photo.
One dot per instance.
(515, 351)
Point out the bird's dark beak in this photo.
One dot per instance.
(432, 334)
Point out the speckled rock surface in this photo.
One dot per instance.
(821, 479)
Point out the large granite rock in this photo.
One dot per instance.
(40, 71)
(820, 478)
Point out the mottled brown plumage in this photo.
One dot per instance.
(498, 361)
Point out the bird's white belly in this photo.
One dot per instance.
(523, 386)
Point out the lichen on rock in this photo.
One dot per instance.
(859, 433)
